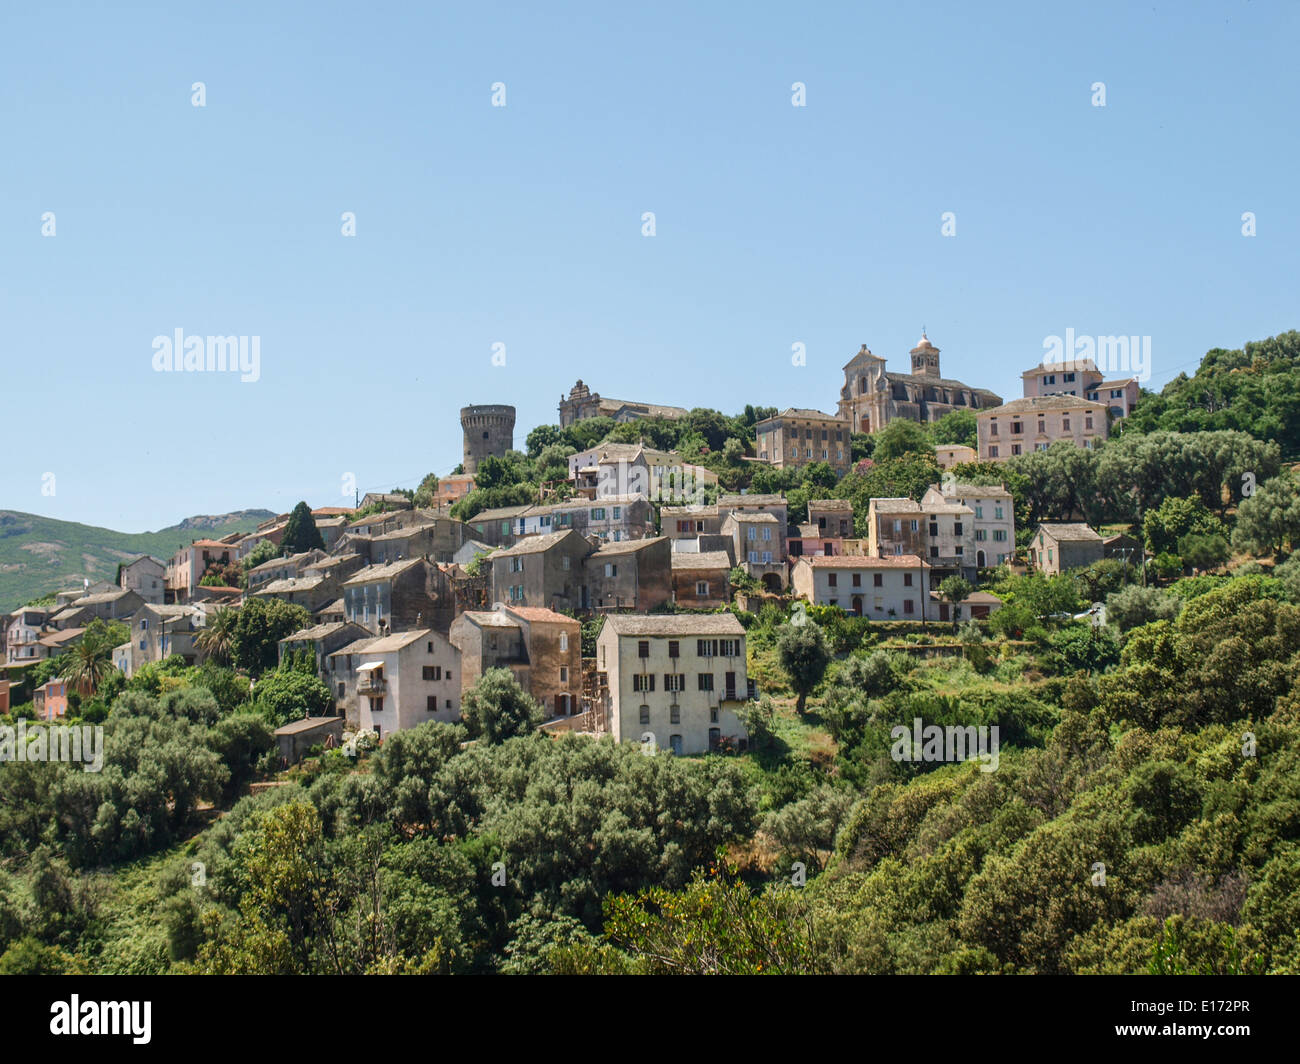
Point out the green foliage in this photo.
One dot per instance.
(286, 695)
(300, 532)
(1268, 522)
(258, 628)
(804, 655)
(261, 553)
(497, 708)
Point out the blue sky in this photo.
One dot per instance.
(521, 225)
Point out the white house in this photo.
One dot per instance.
(674, 681)
(896, 587)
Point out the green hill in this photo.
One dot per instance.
(40, 555)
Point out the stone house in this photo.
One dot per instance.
(544, 571)
(895, 587)
(701, 579)
(146, 576)
(542, 648)
(400, 596)
(801, 437)
(674, 681)
(1057, 548)
(634, 574)
(1034, 424)
(406, 679)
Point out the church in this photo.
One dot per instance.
(873, 396)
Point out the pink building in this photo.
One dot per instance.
(50, 700)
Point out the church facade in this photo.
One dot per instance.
(583, 403)
(872, 396)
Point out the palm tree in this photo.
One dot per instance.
(216, 641)
(88, 663)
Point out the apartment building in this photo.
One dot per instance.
(1034, 424)
(675, 682)
(1082, 379)
(798, 437)
(993, 518)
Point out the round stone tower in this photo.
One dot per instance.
(488, 430)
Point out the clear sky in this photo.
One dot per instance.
(522, 224)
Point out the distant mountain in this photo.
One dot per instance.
(40, 555)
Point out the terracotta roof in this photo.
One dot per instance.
(539, 614)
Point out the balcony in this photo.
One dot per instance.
(372, 685)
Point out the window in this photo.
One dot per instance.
(643, 681)
(1015, 448)
(751, 532)
(934, 552)
(643, 648)
(898, 525)
(516, 565)
(915, 524)
(767, 534)
(907, 579)
(877, 579)
(645, 715)
(731, 648)
(598, 513)
(980, 535)
(997, 513)
(1042, 425)
(701, 589)
(857, 579)
(706, 648)
(959, 550)
(431, 704)
(429, 647)
(618, 512)
(993, 452)
(767, 557)
(1068, 378)
(907, 605)
(449, 703)
(993, 428)
(1087, 423)
(956, 528)
(674, 681)
(999, 535)
(611, 569)
(832, 579)
(705, 681)
(1017, 427)
(342, 690)
(564, 562)
(675, 744)
(564, 674)
(1065, 424)
(674, 714)
(979, 513)
(564, 642)
(432, 672)
(674, 648)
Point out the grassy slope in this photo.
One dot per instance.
(40, 555)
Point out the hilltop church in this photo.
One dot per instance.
(872, 396)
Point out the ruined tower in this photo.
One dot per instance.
(488, 430)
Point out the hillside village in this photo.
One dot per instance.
(657, 654)
(410, 605)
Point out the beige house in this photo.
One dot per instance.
(675, 682)
(1058, 547)
(952, 454)
(893, 588)
(1025, 425)
(800, 437)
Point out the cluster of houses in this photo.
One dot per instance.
(410, 607)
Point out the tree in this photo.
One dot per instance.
(1202, 551)
(954, 590)
(901, 437)
(263, 552)
(497, 708)
(426, 491)
(1175, 518)
(804, 655)
(1269, 520)
(300, 532)
(216, 640)
(955, 427)
(258, 629)
(89, 661)
(287, 695)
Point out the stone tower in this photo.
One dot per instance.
(488, 430)
(925, 358)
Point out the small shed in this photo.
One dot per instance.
(297, 738)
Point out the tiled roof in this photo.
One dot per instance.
(1074, 532)
(533, 544)
(681, 624)
(705, 559)
(1042, 402)
(538, 614)
(862, 561)
(382, 572)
